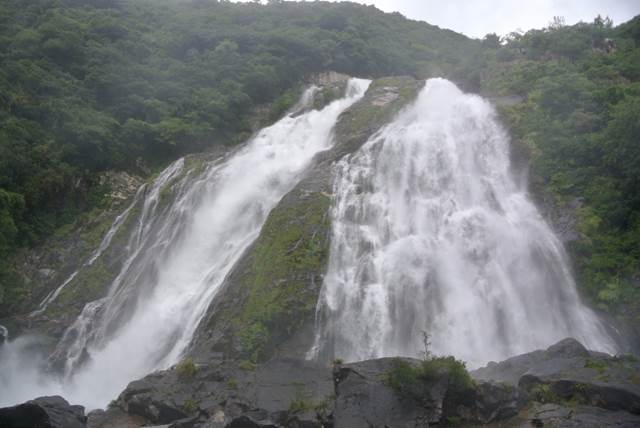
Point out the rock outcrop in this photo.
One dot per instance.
(296, 393)
(43, 412)
(267, 304)
(565, 385)
(572, 386)
(47, 266)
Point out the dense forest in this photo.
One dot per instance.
(580, 125)
(89, 86)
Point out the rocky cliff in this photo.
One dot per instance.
(267, 304)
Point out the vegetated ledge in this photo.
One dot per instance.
(563, 386)
(267, 303)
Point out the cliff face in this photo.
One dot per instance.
(49, 265)
(267, 304)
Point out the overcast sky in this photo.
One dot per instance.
(475, 18)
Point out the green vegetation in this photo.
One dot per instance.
(414, 380)
(291, 248)
(579, 123)
(599, 365)
(337, 362)
(300, 405)
(247, 365)
(102, 84)
(191, 405)
(232, 383)
(577, 394)
(542, 393)
(186, 368)
(453, 421)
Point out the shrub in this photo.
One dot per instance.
(543, 394)
(300, 405)
(186, 368)
(190, 405)
(413, 380)
(232, 383)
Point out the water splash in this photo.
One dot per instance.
(432, 233)
(180, 252)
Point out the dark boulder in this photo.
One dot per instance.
(498, 401)
(606, 388)
(43, 412)
(560, 416)
(218, 394)
(363, 399)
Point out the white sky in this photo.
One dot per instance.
(475, 18)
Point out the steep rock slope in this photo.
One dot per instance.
(268, 301)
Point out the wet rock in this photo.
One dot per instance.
(248, 422)
(364, 400)
(328, 78)
(46, 412)
(279, 393)
(568, 373)
(554, 415)
(565, 385)
(113, 417)
(563, 355)
(495, 401)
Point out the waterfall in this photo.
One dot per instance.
(179, 254)
(432, 233)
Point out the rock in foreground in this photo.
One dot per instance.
(43, 412)
(565, 385)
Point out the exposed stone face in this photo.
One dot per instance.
(327, 78)
(48, 265)
(267, 304)
(222, 394)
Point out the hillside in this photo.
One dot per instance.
(315, 214)
(88, 86)
(578, 126)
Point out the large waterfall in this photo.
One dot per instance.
(177, 257)
(431, 233)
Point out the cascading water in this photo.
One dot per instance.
(432, 233)
(179, 255)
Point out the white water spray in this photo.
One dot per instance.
(432, 233)
(180, 254)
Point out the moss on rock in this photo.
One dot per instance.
(286, 264)
(269, 298)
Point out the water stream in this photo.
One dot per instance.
(177, 257)
(432, 233)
